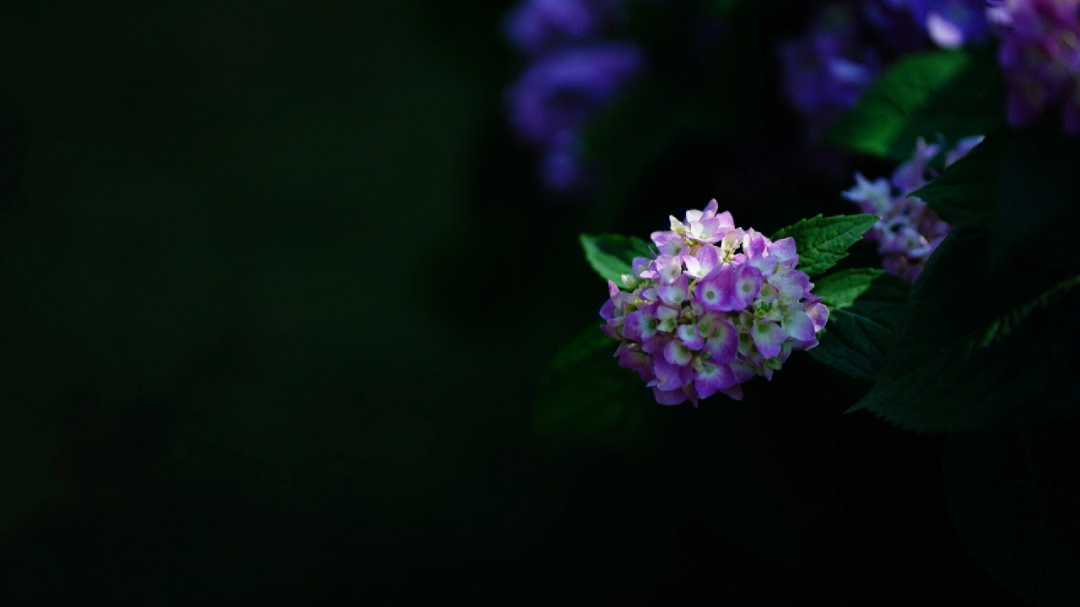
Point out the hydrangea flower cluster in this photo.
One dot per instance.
(715, 307)
(1040, 58)
(909, 230)
(574, 70)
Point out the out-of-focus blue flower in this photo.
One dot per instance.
(564, 88)
(536, 25)
(574, 71)
(848, 43)
(951, 23)
(826, 70)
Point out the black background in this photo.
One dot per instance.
(280, 288)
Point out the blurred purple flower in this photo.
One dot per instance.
(848, 43)
(826, 70)
(821, 85)
(537, 24)
(908, 230)
(559, 92)
(1040, 58)
(950, 23)
(574, 72)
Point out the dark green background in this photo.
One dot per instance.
(279, 290)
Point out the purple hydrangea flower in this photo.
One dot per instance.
(574, 70)
(1040, 58)
(908, 231)
(950, 23)
(716, 306)
(559, 92)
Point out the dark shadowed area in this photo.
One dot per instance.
(282, 290)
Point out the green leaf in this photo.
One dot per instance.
(586, 396)
(1020, 187)
(823, 241)
(863, 306)
(955, 93)
(980, 347)
(610, 254)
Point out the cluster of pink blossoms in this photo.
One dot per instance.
(908, 231)
(715, 307)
